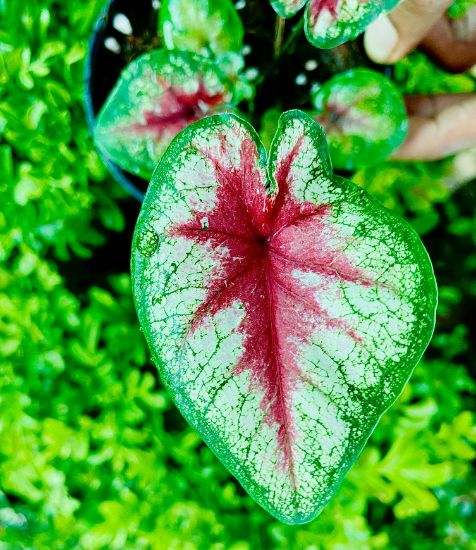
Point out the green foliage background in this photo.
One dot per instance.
(92, 453)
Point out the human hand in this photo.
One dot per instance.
(439, 125)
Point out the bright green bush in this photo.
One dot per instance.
(92, 453)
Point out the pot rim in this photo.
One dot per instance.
(117, 173)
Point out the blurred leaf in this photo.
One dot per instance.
(363, 115)
(201, 26)
(156, 97)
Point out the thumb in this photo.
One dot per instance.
(392, 36)
(439, 126)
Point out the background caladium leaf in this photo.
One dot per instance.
(284, 307)
(201, 26)
(364, 116)
(329, 23)
(157, 95)
(287, 8)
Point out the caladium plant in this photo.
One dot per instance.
(329, 23)
(364, 116)
(157, 96)
(283, 306)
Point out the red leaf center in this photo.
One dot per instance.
(264, 243)
(318, 7)
(176, 109)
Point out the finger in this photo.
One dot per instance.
(461, 170)
(450, 130)
(464, 28)
(453, 44)
(392, 36)
(430, 105)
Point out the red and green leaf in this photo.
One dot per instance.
(284, 308)
(329, 23)
(156, 97)
(364, 116)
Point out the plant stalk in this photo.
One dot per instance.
(278, 35)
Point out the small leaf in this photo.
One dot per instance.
(157, 95)
(364, 116)
(284, 307)
(201, 26)
(287, 8)
(329, 23)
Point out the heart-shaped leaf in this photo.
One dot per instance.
(329, 23)
(364, 116)
(157, 96)
(201, 26)
(285, 308)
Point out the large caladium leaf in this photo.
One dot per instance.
(364, 116)
(329, 23)
(201, 26)
(157, 96)
(284, 307)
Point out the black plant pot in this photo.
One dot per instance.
(289, 76)
(109, 52)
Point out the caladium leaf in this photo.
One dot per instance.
(201, 26)
(284, 308)
(329, 23)
(364, 116)
(157, 96)
(287, 8)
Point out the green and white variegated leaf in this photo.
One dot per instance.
(157, 96)
(284, 307)
(287, 8)
(329, 23)
(201, 26)
(364, 116)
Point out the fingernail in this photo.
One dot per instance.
(380, 40)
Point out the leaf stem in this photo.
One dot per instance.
(278, 35)
(297, 29)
